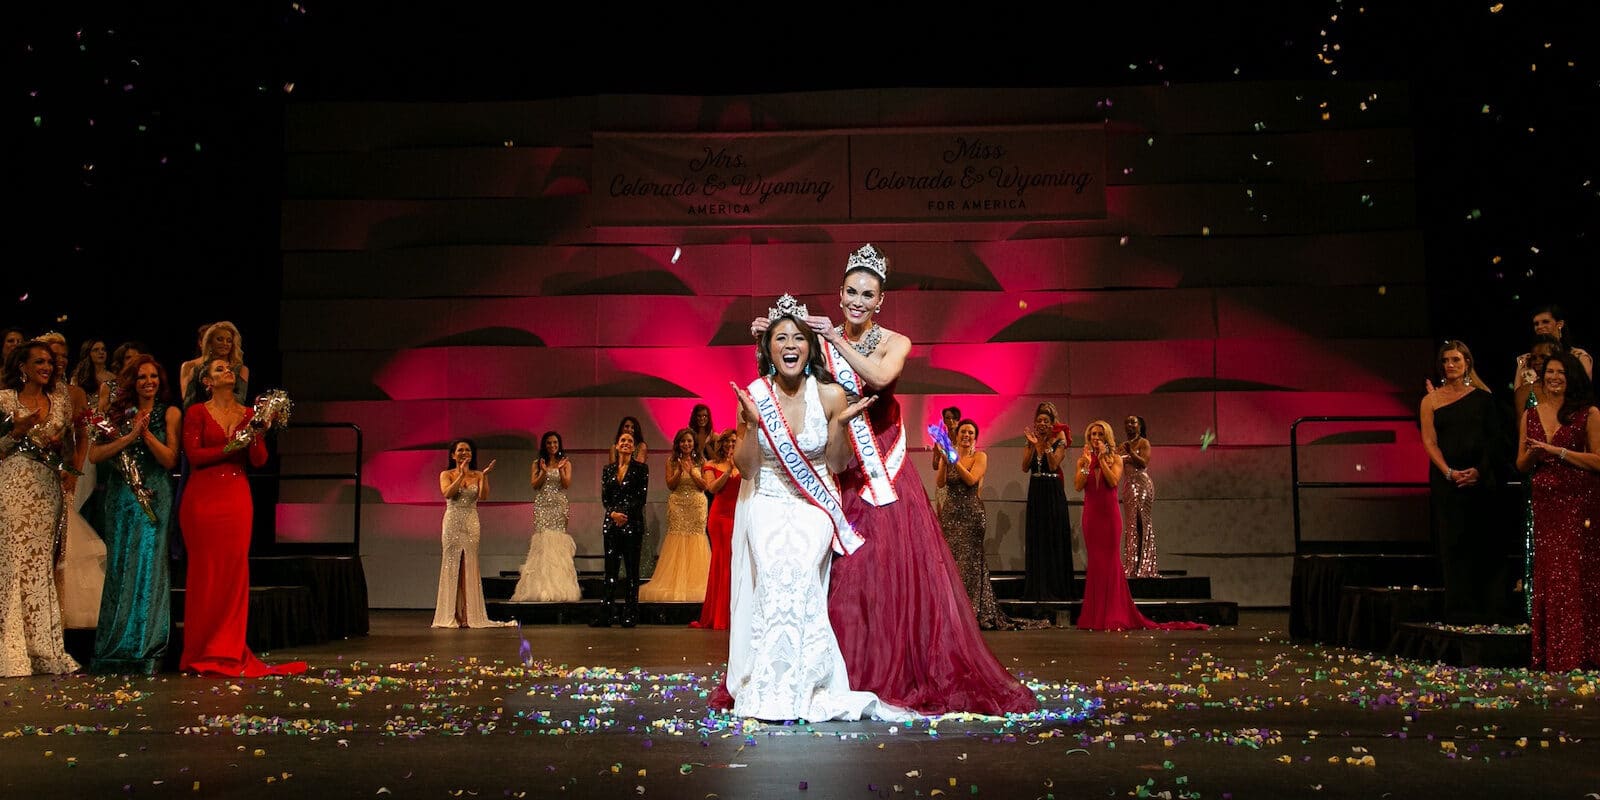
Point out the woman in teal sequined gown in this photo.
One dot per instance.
(135, 609)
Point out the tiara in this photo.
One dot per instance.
(868, 258)
(787, 307)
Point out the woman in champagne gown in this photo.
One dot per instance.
(548, 574)
(215, 514)
(1107, 603)
(459, 602)
(136, 609)
(35, 409)
(685, 558)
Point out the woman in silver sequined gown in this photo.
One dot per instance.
(1138, 495)
(964, 521)
(460, 599)
(548, 574)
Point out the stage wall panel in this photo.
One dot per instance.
(443, 278)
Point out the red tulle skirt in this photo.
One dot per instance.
(901, 615)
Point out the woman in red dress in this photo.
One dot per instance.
(723, 482)
(215, 516)
(897, 604)
(1560, 444)
(1107, 603)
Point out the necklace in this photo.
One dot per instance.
(869, 340)
(226, 421)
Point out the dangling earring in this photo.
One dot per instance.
(1467, 381)
(772, 369)
(808, 367)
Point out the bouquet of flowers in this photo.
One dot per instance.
(271, 411)
(104, 430)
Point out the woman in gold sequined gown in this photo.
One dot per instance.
(1138, 496)
(964, 521)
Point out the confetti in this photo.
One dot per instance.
(677, 252)
(1206, 439)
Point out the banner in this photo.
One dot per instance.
(718, 179)
(977, 174)
(918, 175)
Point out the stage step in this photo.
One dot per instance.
(1172, 585)
(1211, 612)
(1065, 613)
(583, 611)
(1464, 646)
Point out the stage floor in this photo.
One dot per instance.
(413, 712)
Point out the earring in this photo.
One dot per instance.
(772, 369)
(808, 367)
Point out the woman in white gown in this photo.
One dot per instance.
(548, 574)
(783, 660)
(81, 572)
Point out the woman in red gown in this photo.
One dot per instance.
(1107, 603)
(215, 516)
(897, 604)
(1560, 444)
(723, 482)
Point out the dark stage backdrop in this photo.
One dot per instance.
(1259, 259)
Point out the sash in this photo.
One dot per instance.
(881, 472)
(817, 488)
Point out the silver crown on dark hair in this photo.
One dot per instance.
(787, 307)
(868, 258)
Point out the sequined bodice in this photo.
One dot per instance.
(812, 437)
(46, 435)
(466, 497)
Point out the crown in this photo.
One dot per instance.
(868, 258)
(787, 307)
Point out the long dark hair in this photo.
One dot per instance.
(1580, 390)
(638, 431)
(127, 396)
(560, 449)
(711, 427)
(450, 453)
(121, 352)
(84, 374)
(1144, 430)
(14, 376)
(815, 359)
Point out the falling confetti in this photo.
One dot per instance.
(1206, 439)
(677, 253)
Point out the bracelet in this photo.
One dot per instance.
(1449, 474)
(1563, 455)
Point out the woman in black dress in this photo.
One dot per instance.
(1048, 529)
(623, 485)
(1465, 438)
